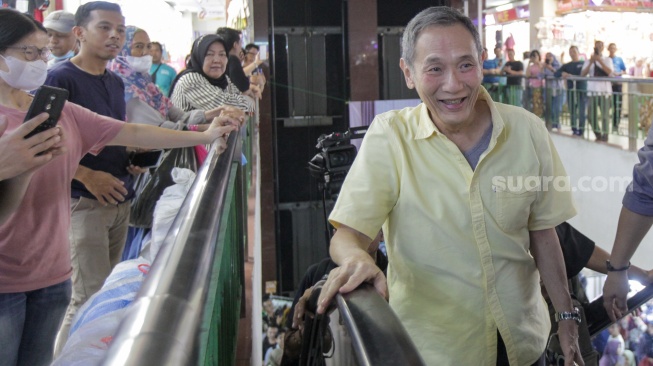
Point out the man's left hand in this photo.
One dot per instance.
(615, 291)
(300, 310)
(568, 336)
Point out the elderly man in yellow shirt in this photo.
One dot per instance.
(468, 192)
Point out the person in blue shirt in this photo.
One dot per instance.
(491, 69)
(162, 74)
(618, 69)
(491, 72)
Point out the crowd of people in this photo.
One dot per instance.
(531, 82)
(65, 192)
(629, 342)
(468, 257)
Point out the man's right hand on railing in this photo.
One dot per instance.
(356, 267)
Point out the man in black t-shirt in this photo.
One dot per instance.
(576, 91)
(234, 67)
(580, 252)
(515, 70)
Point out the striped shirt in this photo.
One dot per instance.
(193, 91)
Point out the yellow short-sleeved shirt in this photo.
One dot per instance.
(457, 238)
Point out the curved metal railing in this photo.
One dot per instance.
(164, 325)
(376, 333)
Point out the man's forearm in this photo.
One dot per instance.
(585, 70)
(82, 173)
(545, 248)
(631, 230)
(605, 67)
(349, 244)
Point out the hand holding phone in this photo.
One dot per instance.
(50, 100)
(19, 155)
(148, 159)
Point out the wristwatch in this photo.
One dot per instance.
(568, 315)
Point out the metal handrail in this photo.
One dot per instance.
(377, 335)
(161, 326)
(624, 79)
(597, 316)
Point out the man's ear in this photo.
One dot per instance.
(78, 31)
(407, 74)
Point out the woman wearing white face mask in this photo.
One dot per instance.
(145, 102)
(35, 262)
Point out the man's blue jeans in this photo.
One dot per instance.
(29, 322)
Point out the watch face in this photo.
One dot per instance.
(569, 315)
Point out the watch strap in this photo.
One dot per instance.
(568, 315)
(613, 269)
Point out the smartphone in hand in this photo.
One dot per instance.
(148, 159)
(50, 100)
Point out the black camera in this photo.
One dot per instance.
(330, 166)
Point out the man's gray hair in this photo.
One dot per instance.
(434, 16)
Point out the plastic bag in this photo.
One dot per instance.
(142, 208)
(168, 206)
(201, 152)
(118, 291)
(90, 343)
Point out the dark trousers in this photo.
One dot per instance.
(600, 104)
(577, 105)
(617, 89)
(502, 354)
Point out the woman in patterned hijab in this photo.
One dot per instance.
(145, 102)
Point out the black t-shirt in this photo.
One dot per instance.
(573, 68)
(236, 74)
(514, 66)
(576, 248)
(105, 95)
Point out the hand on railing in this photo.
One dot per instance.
(225, 110)
(349, 276)
(219, 131)
(233, 112)
(301, 311)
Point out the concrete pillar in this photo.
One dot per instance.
(538, 9)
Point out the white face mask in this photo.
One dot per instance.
(24, 75)
(68, 55)
(140, 64)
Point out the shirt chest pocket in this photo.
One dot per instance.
(514, 200)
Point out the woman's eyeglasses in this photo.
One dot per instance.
(33, 52)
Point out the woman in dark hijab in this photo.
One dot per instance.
(204, 84)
